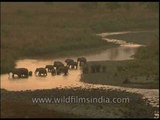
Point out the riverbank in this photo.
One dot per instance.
(142, 72)
(82, 110)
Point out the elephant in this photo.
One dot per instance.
(93, 68)
(82, 61)
(97, 68)
(67, 61)
(49, 68)
(58, 64)
(20, 72)
(85, 69)
(103, 68)
(62, 69)
(41, 71)
(73, 65)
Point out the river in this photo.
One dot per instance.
(123, 52)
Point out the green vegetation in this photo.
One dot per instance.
(143, 72)
(26, 110)
(60, 29)
(134, 108)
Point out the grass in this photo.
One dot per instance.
(60, 29)
(143, 72)
(82, 110)
(26, 110)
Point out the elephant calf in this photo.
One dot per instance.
(49, 68)
(98, 68)
(63, 69)
(41, 72)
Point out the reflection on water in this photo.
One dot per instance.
(124, 52)
(34, 82)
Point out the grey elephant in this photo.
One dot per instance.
(49, 68)
(96, 68)
(20, 72)
(103, 68)
(73, 65)
(41, 72)
(82, 61)
(62, 69)
(93, 68)
(58, 64)
(67, 61)
(85, 69)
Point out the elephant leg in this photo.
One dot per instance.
(12, 75)
(68, 66)
(36, 74)
(39, 74)
(66, 72)
(80, 64)
(53, 72)
(97, 70)
(26, 75)
(58, 72)
(84, 71)
(19, 76)
(94, 70)
(49, 70)
(72, 67)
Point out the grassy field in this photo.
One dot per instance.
(13, 102)
(14, 109)
(143, 72)
(60, 29)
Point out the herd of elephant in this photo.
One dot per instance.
(56, 69)
(59, 68)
